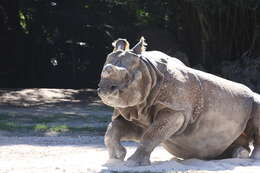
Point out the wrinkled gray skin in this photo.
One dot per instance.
(159, 100)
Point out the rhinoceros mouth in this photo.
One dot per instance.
(111, 90)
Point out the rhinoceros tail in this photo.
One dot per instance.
(256, 103)
(256, 112)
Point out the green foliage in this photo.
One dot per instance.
(23, 22)
(60, 128)
(41, 127)
(13, 126)
(67, 39)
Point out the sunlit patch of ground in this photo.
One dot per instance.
(40, 96)
(88, 155)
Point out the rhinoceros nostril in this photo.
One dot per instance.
(109, 68)
(113, 87)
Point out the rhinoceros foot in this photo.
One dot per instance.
(256, 153)
(132, 163)
(139, 158)
(117, 152)
(241, 153)
(114, 162)
(139, 162)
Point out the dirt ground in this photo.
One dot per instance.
(87, 154)
(61, 131)
(52, 112)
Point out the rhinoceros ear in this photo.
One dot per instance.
(120, 44)
(140, 46)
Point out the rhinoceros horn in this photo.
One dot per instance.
(140, 46)
(120, 44)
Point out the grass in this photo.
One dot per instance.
(52, 118)
(44, 128)
(40, 127)
(12, 126)
(26, 122)
(8, 126)
(60, 128)
(89, 129)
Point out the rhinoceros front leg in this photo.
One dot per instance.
(118, 130)
(164, 126)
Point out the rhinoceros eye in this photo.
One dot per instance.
(131, 61)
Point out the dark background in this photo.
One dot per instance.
(64, 43)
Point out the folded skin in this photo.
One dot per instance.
(159, 100)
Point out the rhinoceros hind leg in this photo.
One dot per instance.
(256, 152)
(241, 153)
(256, 126)
(239, 148)
(118, 130)
(235, 152)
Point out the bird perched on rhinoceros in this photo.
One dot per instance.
(159, 100)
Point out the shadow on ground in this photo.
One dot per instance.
(48, 112)
(34, 97)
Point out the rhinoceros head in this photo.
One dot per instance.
(124, 79)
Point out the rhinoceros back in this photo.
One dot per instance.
(257, 100)
(157, 56)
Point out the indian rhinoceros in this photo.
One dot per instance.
(159, 100)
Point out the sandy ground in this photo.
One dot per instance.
(88, 155)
